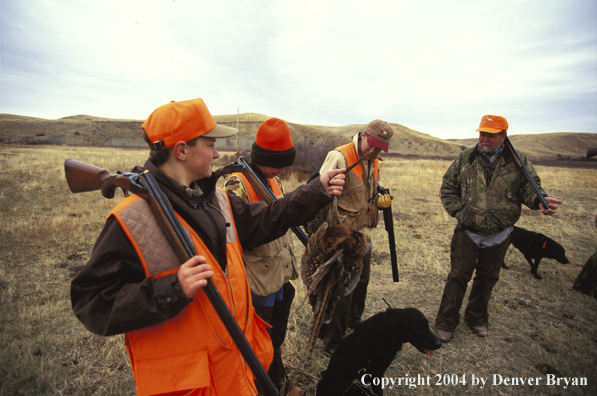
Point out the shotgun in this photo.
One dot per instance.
(388, 220)
(525, 171)
(83, 177)
(263, 190)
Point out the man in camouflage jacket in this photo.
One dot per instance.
(483, 189)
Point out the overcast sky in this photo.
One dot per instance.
(433, 66)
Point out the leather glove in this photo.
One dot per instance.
(384, 201)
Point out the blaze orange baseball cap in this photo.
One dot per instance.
(379, 134)
(493, 124)
(182, 121)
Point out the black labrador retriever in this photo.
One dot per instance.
(363, 357)
(535, 246)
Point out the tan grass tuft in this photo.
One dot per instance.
(47, 233)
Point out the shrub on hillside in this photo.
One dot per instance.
(309, 158)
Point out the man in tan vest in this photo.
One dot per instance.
(270, 267)
(358, 203)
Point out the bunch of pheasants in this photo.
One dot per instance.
(330, 268)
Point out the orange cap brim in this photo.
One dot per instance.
(489, 130)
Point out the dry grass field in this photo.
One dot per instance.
(537, 326)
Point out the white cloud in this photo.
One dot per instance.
(433, 66)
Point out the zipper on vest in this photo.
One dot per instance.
(221, 240)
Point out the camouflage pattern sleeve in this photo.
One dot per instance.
(450, 191)
(236, 186)
(280, 184)
(529, 198)
(586, 281)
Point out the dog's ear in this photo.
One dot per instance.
(399, 324)
(556, 251)
(419, 334)
(393, 324)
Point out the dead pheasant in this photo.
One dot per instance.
(330, 268)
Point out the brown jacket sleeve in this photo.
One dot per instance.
(258, 224)
(111, 294)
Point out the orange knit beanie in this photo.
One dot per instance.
(273, 145)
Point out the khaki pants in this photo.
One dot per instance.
(466, 258)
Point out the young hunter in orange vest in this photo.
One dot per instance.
(134, 284)
(270, 267)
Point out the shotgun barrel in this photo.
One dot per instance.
(82, 177)
(525, 171)
(388, 219)
(174, 230)
(266, 193)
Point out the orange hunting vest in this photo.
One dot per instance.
(192, 350)
(271, 265)
(355, 202)
(253, 196)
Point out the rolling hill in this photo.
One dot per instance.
(84, 130)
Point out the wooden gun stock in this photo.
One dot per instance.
(229, 168)
(83, 177)
(241, 165)
(265, 193)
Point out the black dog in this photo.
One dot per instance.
(535, 246)
(368, 351)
